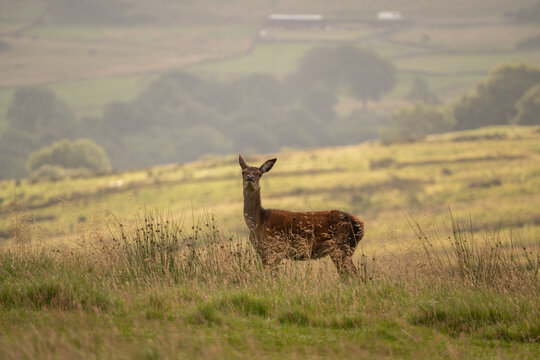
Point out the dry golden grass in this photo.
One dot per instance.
(154, 288)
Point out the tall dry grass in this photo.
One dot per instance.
(157, 269)
(492, 259)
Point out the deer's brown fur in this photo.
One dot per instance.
(280, 234)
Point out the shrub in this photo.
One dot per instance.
(493, 101)
(82, 153)
(528, 107)
(416, 122)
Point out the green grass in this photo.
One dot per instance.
(88, 97)
(132, 292)
(465, 63)
(145, 34)
(492, 173)
(277, 59)
(79, 33)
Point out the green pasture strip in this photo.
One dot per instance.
(389, 50)
(73, 32)
(88, 97)
(145, 34)
(465, 63)
(474, 37)
(440, 84)
(277, 59)
(228, 31)
(282, 58)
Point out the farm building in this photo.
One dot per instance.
(389, 16)
(296, 20)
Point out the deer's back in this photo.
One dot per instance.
(316, 229)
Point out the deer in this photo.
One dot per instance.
(279, 234)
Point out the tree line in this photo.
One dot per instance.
(181, 116)
(509, 95)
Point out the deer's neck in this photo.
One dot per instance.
(252, 208)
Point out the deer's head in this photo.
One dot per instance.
(251, 174)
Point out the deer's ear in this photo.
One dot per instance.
(267, 165)
(242, 162)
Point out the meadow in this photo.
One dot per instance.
(492, 172)
(155, 263)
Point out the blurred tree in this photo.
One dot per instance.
(37, 109)
(493, 101)
(361, 72)
(82, 153)
(189, 82)
(15, 145)
(36, 118)
(420, 92)
(530, 43)
(320, 102)
(530, 14)
(120, 118)
(528, 107)
(416, 122)
(359, 126)
(4, 46)
(296, 127)
(200, 140)
(251, 135)
(259, 90)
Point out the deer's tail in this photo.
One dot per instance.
(357, 227)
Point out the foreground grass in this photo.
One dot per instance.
(155, 289)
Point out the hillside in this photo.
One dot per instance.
(155, 264)
(490, 174)
(452, 44)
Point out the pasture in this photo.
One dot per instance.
(491, 173)
(155, 263)
(455, 44)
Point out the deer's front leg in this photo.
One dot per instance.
(272, 251)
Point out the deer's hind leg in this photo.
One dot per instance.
(344, 264)
(341, 254)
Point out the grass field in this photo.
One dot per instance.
(155, 263)
(493, 175)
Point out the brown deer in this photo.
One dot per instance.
(280, 234)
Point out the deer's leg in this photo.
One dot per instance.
(270, 261)
(342, 258)
(271, 257)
